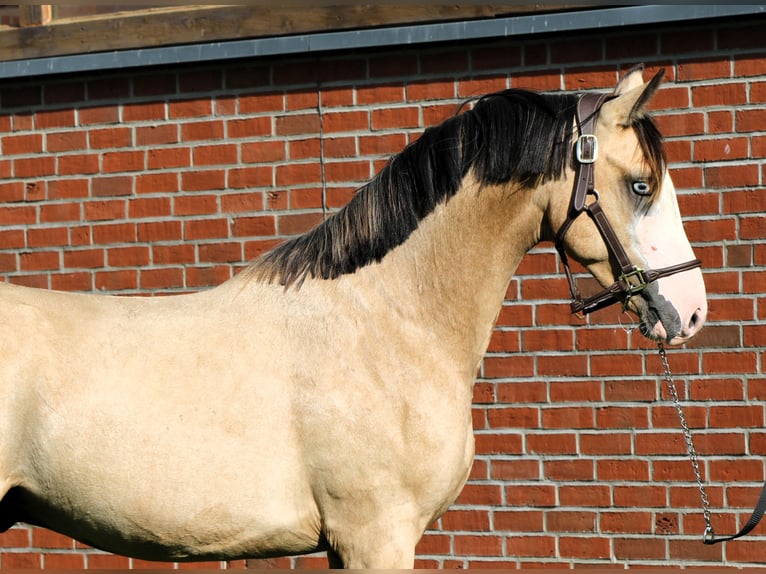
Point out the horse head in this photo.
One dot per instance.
(633, 242)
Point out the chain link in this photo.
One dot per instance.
(709, 535)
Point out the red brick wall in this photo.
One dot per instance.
(164, 181)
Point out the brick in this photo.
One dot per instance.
(375, 94)
(11, 560)
(568, 417)
(592, 77)
(434, 543)
(298, 174)
(44, 538)
(263, 152)
(46, 119)
(395, 118)
(340, 147)
(732, 176)
(518, 520)
(167, 278)
(358, 171)
(334, 122)
(729, 362)
(498, 443)
(114, 233)
(570, 521)
(541, 340)
(721, 149)
(587, 495)
(56, 561)
(585, 547)
(203, 180)
(57, 212)
(205, 229)
(167, 158)
(511, 366)
(136, 256)
(567, 470)
(262, 126)
(196, 108)
(639, 549)
(514, 470)
(12, 192)
(195, 205)
(551, 443)
(198, 277)
(606, 444)
(84, 258)
(652, 496)
(57, 142)
(164, 182)
(562, 365)
(154, 135)
(297, 125)
(261, 102)
(440, 89)
(18, 537)
(110, 138)
(660, 443)
(39, 167)
(203, 130)
(522, 392)
(480, 494)
(47, 237)
(111, 186)
(104, 210)
(220, 253)
(79, 164)
(21, 144)
(149, 207)
(616, 469)
(98, 115)
(471, 545)
(331, 97)
(260, 226)
(541, 546)
(305, 199)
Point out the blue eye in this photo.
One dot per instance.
(642, 188)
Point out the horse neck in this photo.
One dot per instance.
(453, 272)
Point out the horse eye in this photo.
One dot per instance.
(642, 188)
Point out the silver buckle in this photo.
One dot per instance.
(590, 148)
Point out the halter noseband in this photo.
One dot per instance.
(632, 279)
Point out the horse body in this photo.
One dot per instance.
(261, 419)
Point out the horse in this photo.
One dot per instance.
(321, 398)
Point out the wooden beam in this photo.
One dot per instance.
(35, 15)
(191, 24)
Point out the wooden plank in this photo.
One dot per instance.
(186, 25)
(35, 15)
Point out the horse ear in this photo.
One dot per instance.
(631, 97)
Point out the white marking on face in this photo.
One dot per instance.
(663, 242)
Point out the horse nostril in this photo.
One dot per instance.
(695, 320)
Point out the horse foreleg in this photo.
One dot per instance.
(370, 547)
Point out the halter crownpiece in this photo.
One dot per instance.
(632, 279)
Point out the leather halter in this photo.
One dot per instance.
(632, 279)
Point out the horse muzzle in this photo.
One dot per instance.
(661, 319)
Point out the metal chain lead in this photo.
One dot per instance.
(709, 535)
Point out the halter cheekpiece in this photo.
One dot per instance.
(632, 279)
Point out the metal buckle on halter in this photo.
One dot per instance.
(586, 148)
(633, 288)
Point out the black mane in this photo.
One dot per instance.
(510, 135)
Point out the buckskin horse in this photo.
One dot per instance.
(321, 399)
